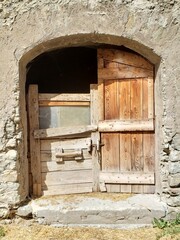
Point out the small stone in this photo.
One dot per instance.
(24, 211)
(174, 167)
(174, 156)
(174, 180)
(11, 155)
(11, 143)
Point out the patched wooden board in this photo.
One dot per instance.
(81, 143)
(66, 166)
(66, 177)
(67, 189)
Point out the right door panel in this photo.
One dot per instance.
(127, 121)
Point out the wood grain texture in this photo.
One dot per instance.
(128, 113)
(52, 166)
(100, 102)
(110, 156)
(124, 57)
(130, 177)
(67, 189)
(95, 136)
(64, 131)
(66, 177)
(111, 101)
(126, 126)
(50, 155)
(80, 143)
(63, 103)
(33, 110)
(124, 72)
(64, 97)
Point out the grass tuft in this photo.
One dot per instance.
(2, 232)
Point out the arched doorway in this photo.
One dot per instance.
(91, 125)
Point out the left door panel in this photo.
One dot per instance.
(60, 144)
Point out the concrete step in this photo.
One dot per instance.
(101, 210)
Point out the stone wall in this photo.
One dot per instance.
(28, 28)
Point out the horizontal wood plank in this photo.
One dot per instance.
(125, 125)
(60, 103)
(127, 177)
(64, 97)
(80, 143)
(66, 177)
(50, 155)
(67, 189)
(66, 166)
(124, 72)
(123, 57)
(64, 131)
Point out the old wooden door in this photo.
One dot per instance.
(61, 138)
(126, 112)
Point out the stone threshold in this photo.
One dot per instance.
(96, 210)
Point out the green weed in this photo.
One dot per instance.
(169, 228)
(2, 232)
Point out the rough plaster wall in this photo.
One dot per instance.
(26, 24)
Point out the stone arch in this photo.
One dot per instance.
(79, 40)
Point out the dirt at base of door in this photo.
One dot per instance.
(19, 229)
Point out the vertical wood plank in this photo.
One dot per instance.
(111, 100)
(125, 138)
(148, 138)
(150, 98)
(33, 109)
(149, 163)
(100, 98)
(136, 138)
(95, 137)
(110, 156)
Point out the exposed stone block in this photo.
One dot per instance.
(174, 156)
(24, 211)
(174, 180)
(174, 167)
(176, 141)
(11, 155)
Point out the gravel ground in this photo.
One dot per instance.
(29, 230)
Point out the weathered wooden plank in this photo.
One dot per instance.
(124, 57)
(100, 98)
(66, 177)
(64, 97)
(125, 138)
(67, 189)
(110, 156)
(66, 166)
(111, 101)
(145, 100)
(148, 138)
(127, 177)
(61, 103)
(33, 110)
(124, 100)
(95, 136)
(136, 140)
(64, 131)
(100, 62)
(124, 72)
(50, 155)
(81, 143)
(149, 158)
(72, 154)
(110, 151)
(125, 157)
(150, 98)
(126, 126)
